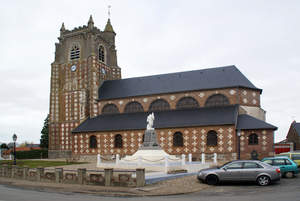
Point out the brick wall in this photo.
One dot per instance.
(194, 141)
(247, 97)
(265, 147)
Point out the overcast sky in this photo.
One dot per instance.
(262, 38)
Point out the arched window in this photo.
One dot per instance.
(212, 138)
(187, 102)
(133, 107)
(217, 100)
(177, 139)
(118, 141)
(110, 109)
(159, 105)
(93, 141)
(253, 139)
(75, 52)
(101, 53)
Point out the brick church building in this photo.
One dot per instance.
(93, 111)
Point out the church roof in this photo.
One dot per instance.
(163, 119)
(248, 122)
(213, 78)
(227, 115)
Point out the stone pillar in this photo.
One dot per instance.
(140, 177)
(167, 160)
(4, 170)
(203, 158)
(215, 157)
(183, 159)
(14, 170)
(58, 174)
(140, 160)
(108, 176)
(39, 173)
(81, 175)
(25, 171)
(190, 158)
(98, 158)
(117, 159)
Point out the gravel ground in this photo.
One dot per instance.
(181, 185)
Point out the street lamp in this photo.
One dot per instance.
(14, 137)
(238, 133)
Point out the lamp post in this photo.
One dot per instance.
(14, 137)
(238, 133)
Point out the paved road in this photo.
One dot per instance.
(286, 189)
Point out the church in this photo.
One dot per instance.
(94, 111)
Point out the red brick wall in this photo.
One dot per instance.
(293, 136)
(194, 141)
(265, 147)
(247, 97)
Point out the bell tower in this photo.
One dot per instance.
(84, 58)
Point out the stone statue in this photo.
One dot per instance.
(150, 120)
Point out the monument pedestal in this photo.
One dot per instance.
(150, 152)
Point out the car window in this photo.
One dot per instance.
(288, 162)
(279, 162)
(295, 156)
(249, 165)
(237, 165)
(268, 161)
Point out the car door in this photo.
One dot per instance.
(289, 165)
(231, 172)
(280, 162)
(250, 171)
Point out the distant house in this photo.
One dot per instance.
(283, 146)
(32, 145)
(6, 154)
(294, 135)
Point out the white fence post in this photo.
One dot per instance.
(203, 157)
(190, 158)
(98, 158)
(167, 160)
(183, 159)
(215, 157)
(117, 159)
(140, 160)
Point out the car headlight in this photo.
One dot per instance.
(199, 173)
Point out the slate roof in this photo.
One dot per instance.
(297, 127)
(213, 78)
(163, 119)
(248, 122)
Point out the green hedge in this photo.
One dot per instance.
(32, 154)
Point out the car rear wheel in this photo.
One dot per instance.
(263, 180)
(212, 180)
(289, 174)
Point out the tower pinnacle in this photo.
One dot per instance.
(108, 27)
(91, 22)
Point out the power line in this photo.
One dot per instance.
(4, 136)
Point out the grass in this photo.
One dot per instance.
(34, 164)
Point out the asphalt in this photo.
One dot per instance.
(157, 178)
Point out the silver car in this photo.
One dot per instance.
(241, 170)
